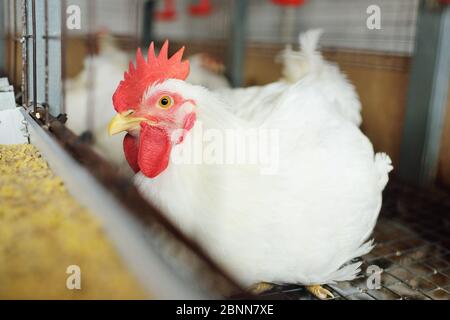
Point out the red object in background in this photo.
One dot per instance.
(202, 8)
(168, 12)
(289, 2)
(444, 1)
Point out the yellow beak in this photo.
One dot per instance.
(123, 122)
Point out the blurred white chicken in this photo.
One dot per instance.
(296, 65)
(303, 223)
(107, 70)
(207, 72)
(335, 85)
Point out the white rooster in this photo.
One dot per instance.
(303, 222)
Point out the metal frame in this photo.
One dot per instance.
(147, 23)
(427, 97)
(43, 54)
(2, 37)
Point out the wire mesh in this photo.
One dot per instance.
(344, 23)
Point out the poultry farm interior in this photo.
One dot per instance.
(354, 94)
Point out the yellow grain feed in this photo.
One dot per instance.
(43, 231)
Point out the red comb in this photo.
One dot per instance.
(156, 69)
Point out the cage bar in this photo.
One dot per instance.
(43, 54)
(3, 31)
(427, 97)
(147, 22)
(237, 42)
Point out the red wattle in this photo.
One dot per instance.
(154, 150)
(131, 148)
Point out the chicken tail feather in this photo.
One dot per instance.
(308, 41)
(350, 270)
(298, 64)
(384, 165)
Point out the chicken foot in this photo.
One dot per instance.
(316, 290)
(319, 292)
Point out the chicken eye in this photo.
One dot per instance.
(165, 102)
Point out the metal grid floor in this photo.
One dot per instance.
(413, 249)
